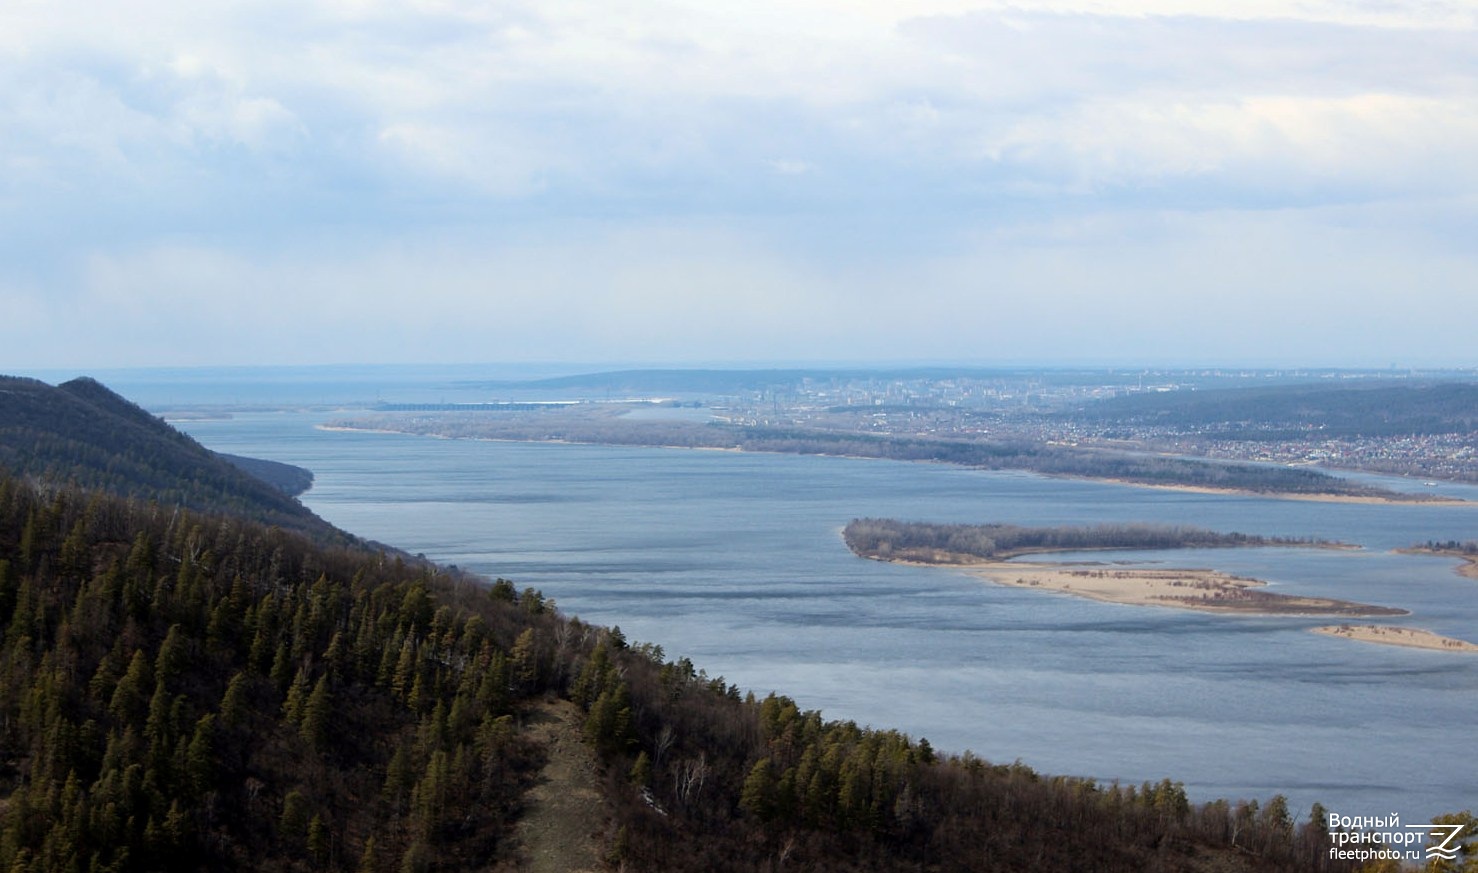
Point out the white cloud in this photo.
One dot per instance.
(329, 180)
(1370, 145)
(530, 98)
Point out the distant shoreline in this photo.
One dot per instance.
(1393, 498)
(1368, 499)
(1467, 569)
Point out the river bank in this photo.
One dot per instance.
(582, 427)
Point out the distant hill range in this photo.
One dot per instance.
(1291, 411)
(80, 433)
(728, 382)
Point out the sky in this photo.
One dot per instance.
(1064, 182)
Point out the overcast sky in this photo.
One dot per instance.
(1113, 182)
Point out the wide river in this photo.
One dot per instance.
(735, 560)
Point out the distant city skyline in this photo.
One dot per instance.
(1128, 183)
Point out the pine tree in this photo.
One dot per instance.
(641, 770)
(318, 841)
(316, 714)
(297, 697)
(369, 859)
(200, 757)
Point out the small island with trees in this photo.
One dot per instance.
(988, 550)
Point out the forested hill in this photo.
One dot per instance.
(191, 692)
(83, 434)
(1290, 411)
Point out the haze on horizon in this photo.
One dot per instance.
(1129, 182)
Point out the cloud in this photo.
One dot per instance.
(351, 179)
(496, 165)
(1286, 149)
(548, 100)
(1287, 287)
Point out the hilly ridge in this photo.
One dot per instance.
(82, 433)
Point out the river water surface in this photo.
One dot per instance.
(736, 561)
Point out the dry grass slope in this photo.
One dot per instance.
(561, 829)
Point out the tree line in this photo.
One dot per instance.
(1461, 547)
(890, 539)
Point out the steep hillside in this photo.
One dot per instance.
(197, 692)
(83, 434)
(191, 692)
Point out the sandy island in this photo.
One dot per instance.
(1200, 589)
(1208, 591)
(1396, 636)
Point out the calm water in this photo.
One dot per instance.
(735, 560)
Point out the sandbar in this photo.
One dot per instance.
(1386, 635)
(1199, 589)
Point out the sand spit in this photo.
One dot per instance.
(1396, 636)
(1199, 589)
